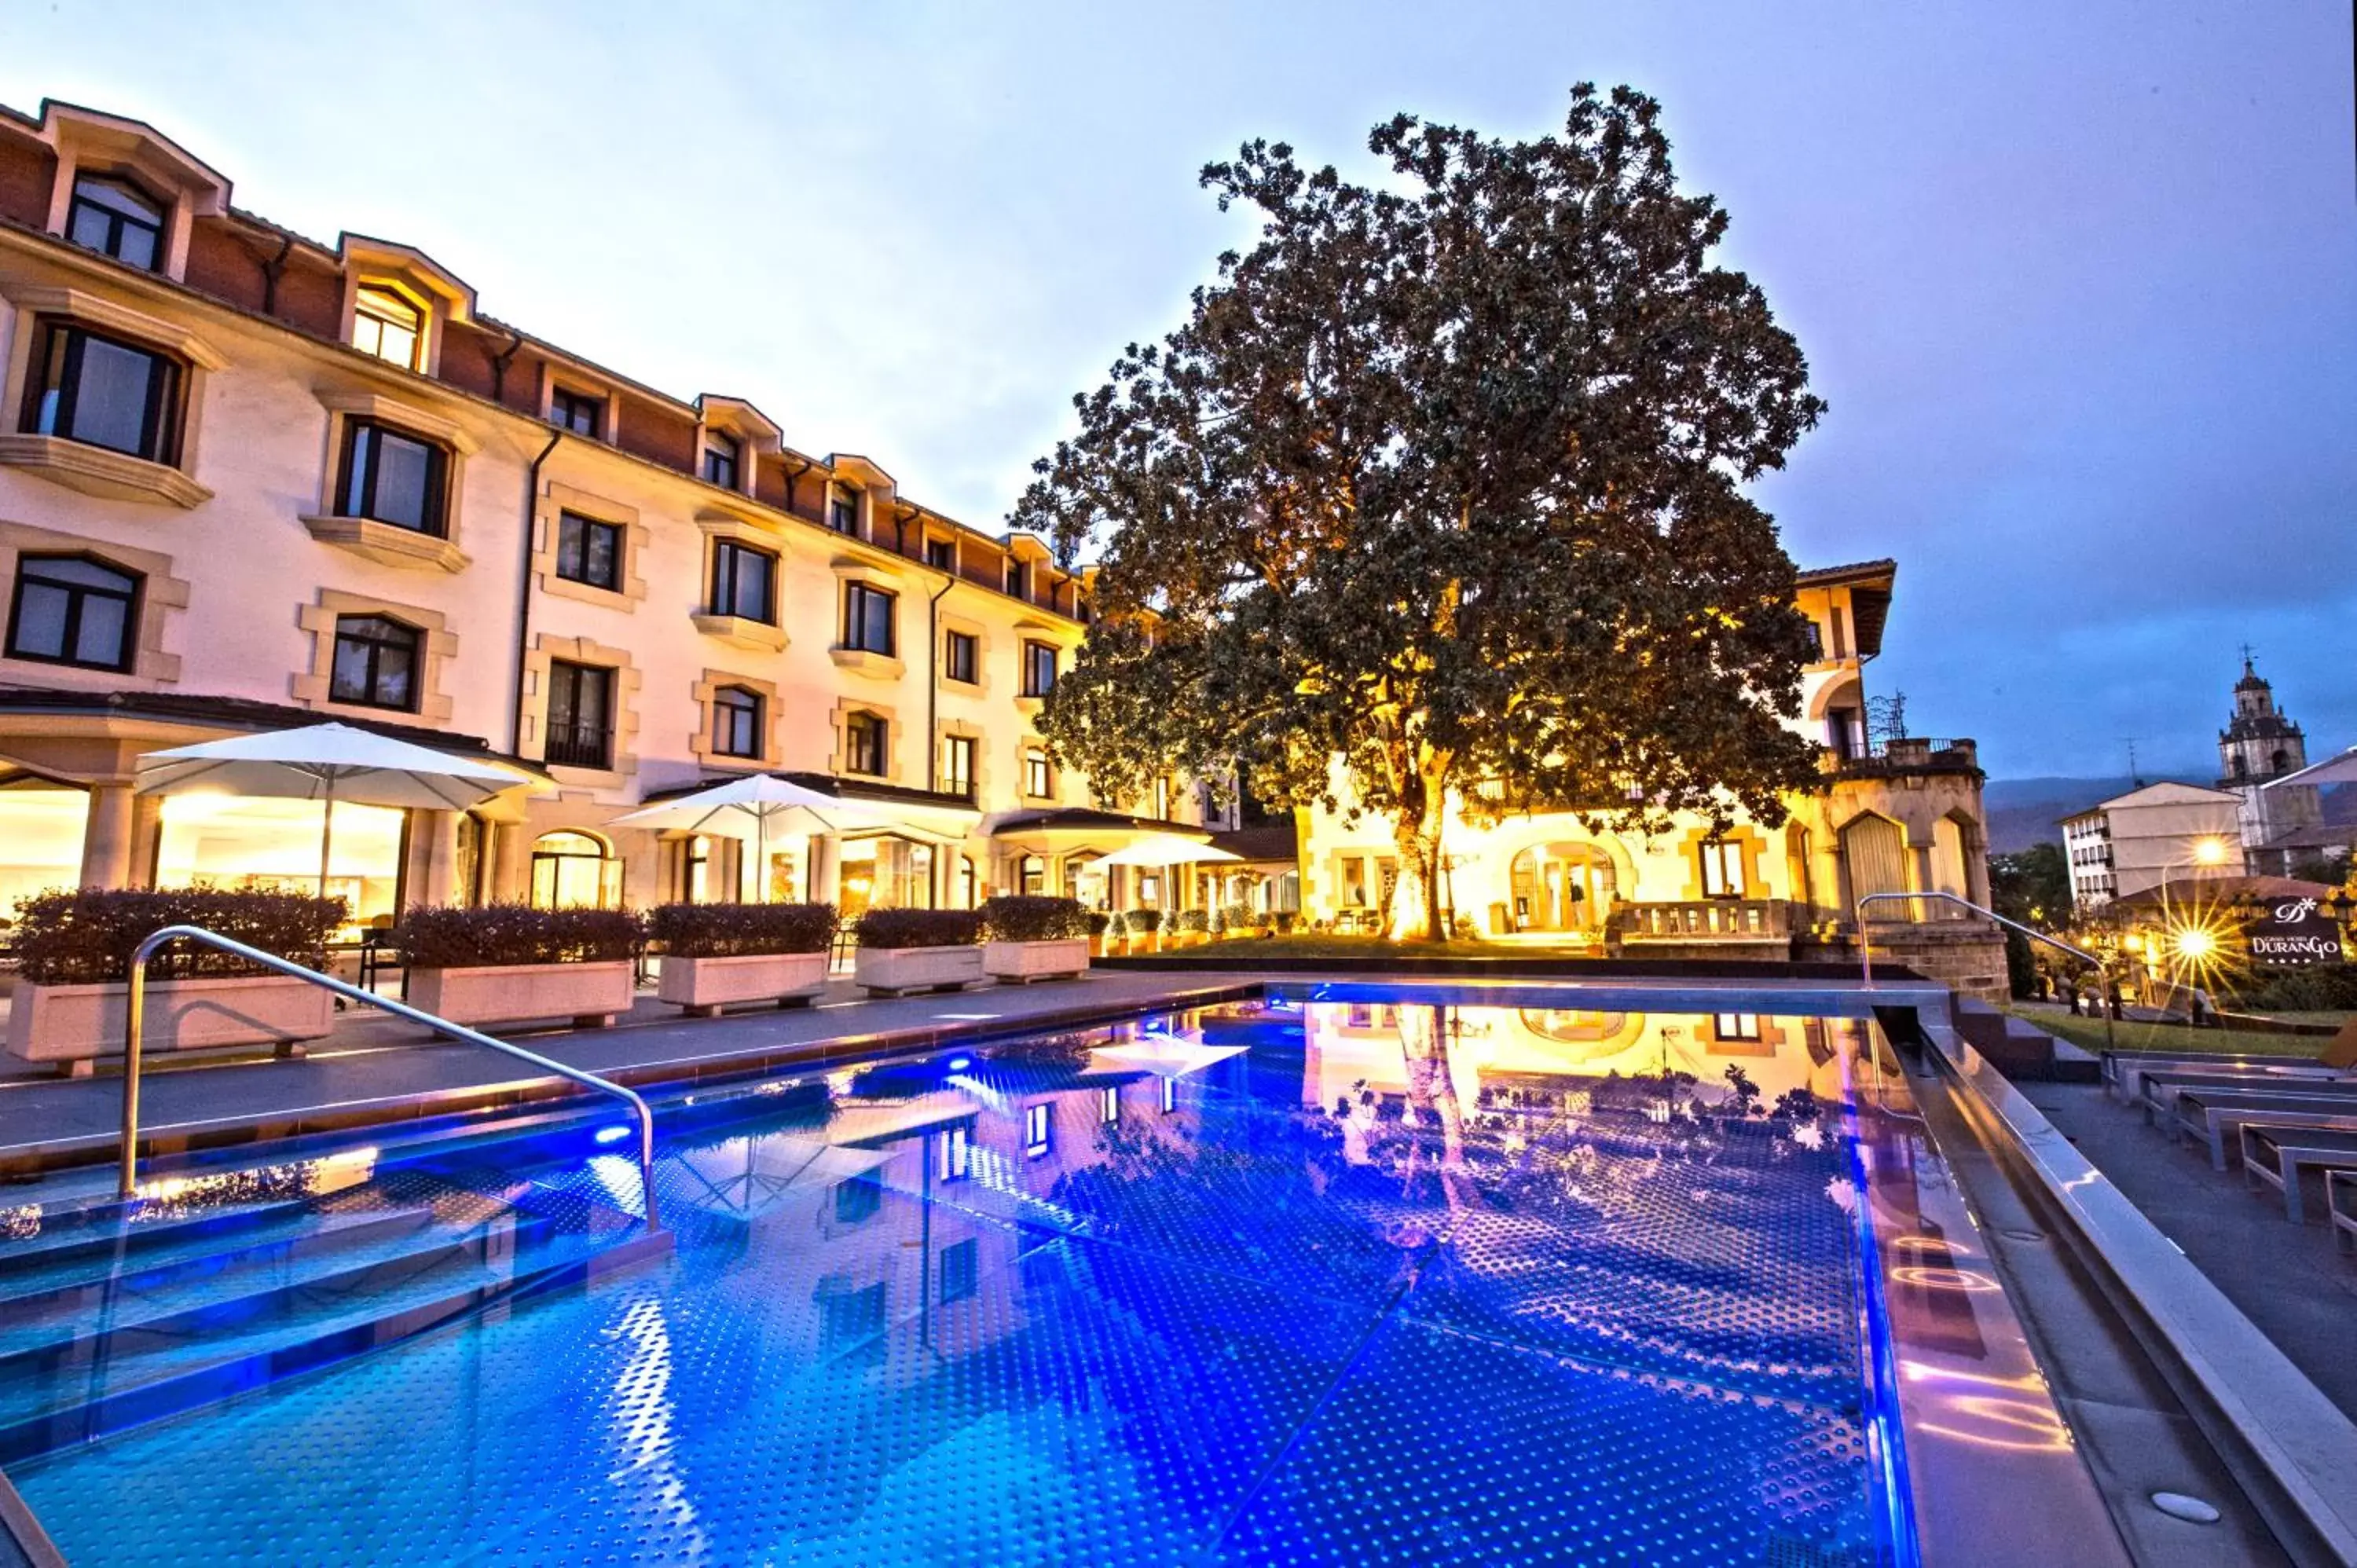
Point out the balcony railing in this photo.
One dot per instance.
(578, 746)
(1705, 919)
(1905, 754)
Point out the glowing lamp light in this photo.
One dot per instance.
(2195, 944)
(959, 1064)
(2209, 852)
(2133, 943)
(612, 1135)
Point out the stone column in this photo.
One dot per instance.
(106, 837)
(433, 857)
(146, 836)
(511, 863)
(826, 869)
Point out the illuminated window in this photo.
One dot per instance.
(1038, 777)
(392, 476)
(387, 324)
(103, 392)
(960, 656)
(580, 412)
(376, 662)
(1170, 1095)
(953, 1155)
(575, 870)
(1038, 668)
(737, 722)
(1038, 1128)
(1109, 1104)
(1722, 869)
(1162, 800)
(70, 610)
(589, 551)
(1735, 1026)
(957, 765)
(117, 219)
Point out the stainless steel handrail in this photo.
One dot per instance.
(134, 1029)
(1866, 946)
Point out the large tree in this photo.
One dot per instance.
(1440, 486)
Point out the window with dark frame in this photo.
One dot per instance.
(866, 739)
(737, 722)
(375, 663)
(580, 714)
(392, 476)
(724, 457)
(843, 510)
(584, 413)
(388, 325)
(1722, 868)
(104, 391)
(1018, 579)
(744, 582)
(1038, 668)
(1170, 1095)
(589, 551)
(961, 1270)
(1038, 1128)
(115, 218)
(961, 656)
(957, 765)
(954, 1149)
(1038, 777)
(71, 609)
(941, 555)
(867, 618)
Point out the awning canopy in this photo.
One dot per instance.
(1075, 829)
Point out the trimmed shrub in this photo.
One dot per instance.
(1142, 922)
(740, 930)
(1284, 920)
(85, 936)
(1099, 922)
(2297, 988)
(1030, 918)
(500, 936)
(1195, 922)
(1238, 917)
(920, 927)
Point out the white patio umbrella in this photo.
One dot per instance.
(749, 807)
(1166, 849)
(2340, 770)
(328, 763)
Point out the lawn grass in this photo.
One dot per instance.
(2087, 1034)
(1324, 944)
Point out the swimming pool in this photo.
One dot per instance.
(1382, 1280)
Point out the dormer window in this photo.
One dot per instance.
(941, 555)
(580, 412)
(843, 510)
(387, 324)
(115, 218)
(1018, 579)
(724, 459)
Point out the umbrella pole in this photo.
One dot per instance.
(326, 836)
(761, 858)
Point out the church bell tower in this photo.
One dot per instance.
(2259, 744)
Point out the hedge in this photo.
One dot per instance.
(2296, 988)
(1142, 922)
(502, 935)
(920, 927)
(1029, 917)
(84, 937)
(740, 930)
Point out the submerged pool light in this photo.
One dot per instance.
(612, 1135)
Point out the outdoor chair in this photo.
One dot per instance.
(2214, 1115)
(2340, 1207)
(2277, 1156)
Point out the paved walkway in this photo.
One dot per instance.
(2286, 1280)
(378, 1069)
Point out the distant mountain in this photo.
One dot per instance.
(2024, 812)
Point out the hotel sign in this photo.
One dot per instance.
(2292, 930)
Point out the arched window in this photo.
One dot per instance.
(1559, 887)
(575, 870)
(2280, 762)
(1874, 860)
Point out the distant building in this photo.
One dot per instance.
(2284, 825)
(2135, 841)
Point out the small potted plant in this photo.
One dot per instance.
(918, 949)
(715, 955)
(1029, 938)
(73, 952)
(1144, 926)
(1098, 923)
(509, 962)
(1190, 928)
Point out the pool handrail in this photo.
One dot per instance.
(1865, 947)
(134, 1032)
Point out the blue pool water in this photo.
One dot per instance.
(1264, 1285)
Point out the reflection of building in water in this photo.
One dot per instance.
(1348, 1044)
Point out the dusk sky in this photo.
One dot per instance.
(2079, 280)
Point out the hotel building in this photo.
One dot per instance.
(251, 480)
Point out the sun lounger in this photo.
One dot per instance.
(2276, 1155)
(2160, 1090)
(2212, 1114)
(2340, 1204)
(2121, 1069)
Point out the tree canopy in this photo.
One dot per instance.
(1439, 488)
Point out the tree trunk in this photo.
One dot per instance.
(1416, 834)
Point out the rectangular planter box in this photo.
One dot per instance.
(1016, 963)
(889, 971)
(704, 985)
(592, 995)
(72, 1025)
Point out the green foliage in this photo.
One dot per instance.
(1030, 918)
(1442, 477)
(1239, 918)
(501, 935)
(740, 930)
(1195, 922)
(920, 927)
(2296, 988)
(85, 936)
(1142, 922)
(2032, 886)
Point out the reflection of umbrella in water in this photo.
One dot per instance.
(744, 1178)
(1167, 1058)
(759, 805)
